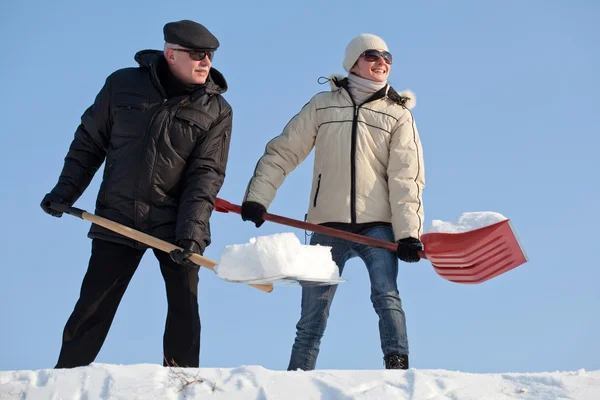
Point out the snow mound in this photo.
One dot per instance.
(277, 255)
(150, 381)
(467, 221)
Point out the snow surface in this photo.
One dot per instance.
(272, 256)
(467, 221)
(149, 381)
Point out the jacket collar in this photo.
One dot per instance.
(406, 98)
(215, 83)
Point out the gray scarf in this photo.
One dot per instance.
(361, 89)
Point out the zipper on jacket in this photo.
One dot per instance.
(376, 96)
(109, 169)
(353, 166)
(153, 185)
(223, 142)
(317, 191)
(139, 170)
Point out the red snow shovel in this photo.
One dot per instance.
(468, 257)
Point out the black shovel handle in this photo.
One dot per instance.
(63, 208)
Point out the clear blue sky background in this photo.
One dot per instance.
(507, 107)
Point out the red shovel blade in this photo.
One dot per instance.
(474, 256)
(466, 257)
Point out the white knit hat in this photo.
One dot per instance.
(355, 48)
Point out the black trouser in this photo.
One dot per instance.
(110, 270)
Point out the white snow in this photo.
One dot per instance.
(278, 255)
(149, 381)
(467, 221)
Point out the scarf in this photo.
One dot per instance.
(361, 89)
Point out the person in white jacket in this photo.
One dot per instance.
(368, 179)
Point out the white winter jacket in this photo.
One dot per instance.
(368, 160)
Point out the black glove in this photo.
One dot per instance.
(408, 250)
(52, 198)
(252, 211)
(181, 256)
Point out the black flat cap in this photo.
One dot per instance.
(190, 34)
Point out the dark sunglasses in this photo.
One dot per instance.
(373, 55)
(197, 55)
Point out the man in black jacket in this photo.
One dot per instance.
(164, 130)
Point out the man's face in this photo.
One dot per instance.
(186, 66)
(371, 65)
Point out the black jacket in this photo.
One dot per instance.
(165, 157)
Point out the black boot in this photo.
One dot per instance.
(396, 361)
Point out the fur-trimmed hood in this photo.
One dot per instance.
(409, 99)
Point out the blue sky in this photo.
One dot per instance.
(506, 108)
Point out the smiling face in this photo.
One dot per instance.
(185, 68)
(377, 71)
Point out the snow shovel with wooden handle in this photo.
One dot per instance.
(467, 257)
(143, 238)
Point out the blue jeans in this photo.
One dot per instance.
(382, 266)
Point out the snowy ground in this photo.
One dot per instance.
(146, 381)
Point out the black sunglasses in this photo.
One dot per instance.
(198, 55)
(373, 55)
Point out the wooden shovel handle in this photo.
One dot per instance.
(143, 238)
(225, 206)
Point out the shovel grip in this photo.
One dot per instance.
(63, 208)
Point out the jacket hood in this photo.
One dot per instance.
(215, 83)
(406, 98)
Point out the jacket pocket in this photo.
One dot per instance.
(317, 190)
(189, 126)
(128, 118)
